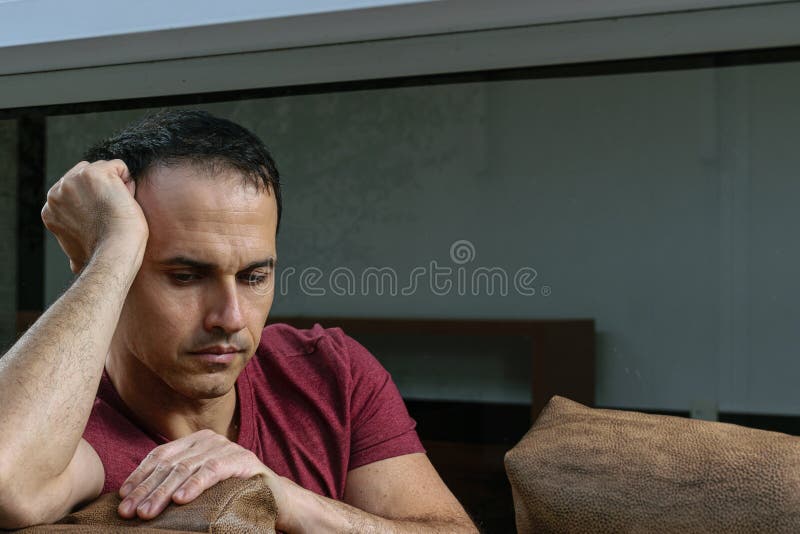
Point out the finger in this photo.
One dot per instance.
(211, 470)
(125, 173)
(127, 179)
(163, 454)
(77, 168)
(116, 167)
(133, 501)
(54, 190)
(234, 461)
(57, 185)
(131, 185)
(163, 490)
(157, 457)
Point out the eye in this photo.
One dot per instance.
(184, 278)
(255, 277)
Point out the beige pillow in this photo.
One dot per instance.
(580, 469)
(231, 506)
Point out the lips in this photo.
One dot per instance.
(223, 354)
(217, 349)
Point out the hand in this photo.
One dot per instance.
(182, 469)
(91, 205)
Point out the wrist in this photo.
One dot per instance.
(296, 507)
(119, 257)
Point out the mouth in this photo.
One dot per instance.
(217, 354)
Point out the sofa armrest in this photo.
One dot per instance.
(580, 469)
(231, 506)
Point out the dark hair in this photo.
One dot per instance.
(193, 137)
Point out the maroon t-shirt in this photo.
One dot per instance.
(313, 404)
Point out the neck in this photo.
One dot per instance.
(167, 412)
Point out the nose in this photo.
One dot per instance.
(224, 312)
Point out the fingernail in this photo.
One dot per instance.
(145, 507)
(125, 489)
(180, 494)
(127, 507)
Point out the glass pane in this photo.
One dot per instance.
(8, 231)
(650, 202)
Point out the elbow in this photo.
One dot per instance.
(14, 514)
(17, 512)
(18, 508)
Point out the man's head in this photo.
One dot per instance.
(210, 193)
(191, 138)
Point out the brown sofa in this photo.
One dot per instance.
(230, 507)
(580, 469)
(577, 470)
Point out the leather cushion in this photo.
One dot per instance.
(231, 506)
(580, 469)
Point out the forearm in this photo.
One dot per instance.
(315, 513)
(49, 378)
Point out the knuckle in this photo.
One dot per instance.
(160, 467)
(213, 465)
(183, 469)
(159, 492)
(141, 491)
(194, 481)
(207, 432)
(66, 186)
(156, 455)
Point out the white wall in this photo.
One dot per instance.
(660, 204)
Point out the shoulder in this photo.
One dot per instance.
(317, 350)
(281, 340)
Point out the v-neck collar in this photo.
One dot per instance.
(244, 398)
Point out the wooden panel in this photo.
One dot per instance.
(562, 350)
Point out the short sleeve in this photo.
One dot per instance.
(381, 427)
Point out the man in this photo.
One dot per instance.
(153, 375)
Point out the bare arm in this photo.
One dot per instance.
(397, 495)
(49, 378)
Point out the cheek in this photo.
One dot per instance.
(154, 316)
(258, 307)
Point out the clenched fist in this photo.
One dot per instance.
(93, 206)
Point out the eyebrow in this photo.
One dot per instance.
(205, 266)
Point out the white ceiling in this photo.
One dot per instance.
(46, 35)
(146, 50)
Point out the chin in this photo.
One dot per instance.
(205, 386)
(212, 392)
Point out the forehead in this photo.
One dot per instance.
(212, 218)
